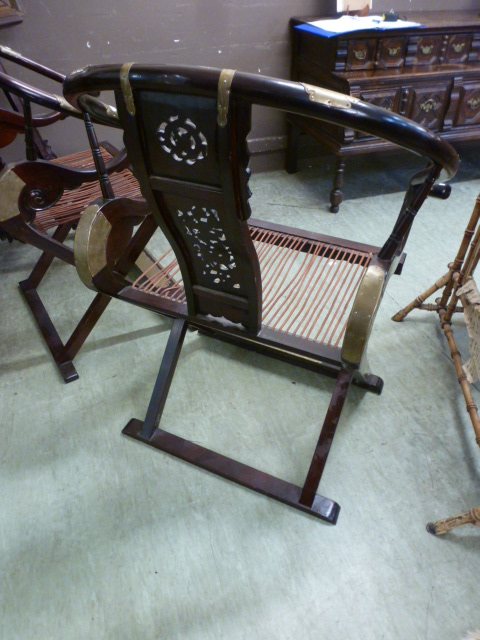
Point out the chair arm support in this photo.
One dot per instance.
(119, 162)
(102, 242)
(12, 222)
(22, 61)
(364, 310)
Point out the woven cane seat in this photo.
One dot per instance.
(72, 203)
(308, 291)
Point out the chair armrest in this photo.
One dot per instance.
(18, 58)
(102, 239)
(365, 307)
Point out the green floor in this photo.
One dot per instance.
(101, 537)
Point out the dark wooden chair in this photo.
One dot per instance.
(40, 195)
(297, 296)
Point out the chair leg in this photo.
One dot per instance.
(164, 378)
(28, 288)
(63, 354)
(344, 380)
(149, 433)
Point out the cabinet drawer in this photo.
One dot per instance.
(391, 53)
(429, 105)
(389, 99)
(458, 48)
(428, 49)
(468, 110)
(361, 55)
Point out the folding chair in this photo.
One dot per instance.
(301, 297)
(38, 196)
(456, 287)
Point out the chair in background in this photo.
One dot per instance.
(301, 297)
(39, 196)
(458, 295)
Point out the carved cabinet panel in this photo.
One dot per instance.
(391, 53)
(428, 105)
(361, 55)
(428, 49)
(468, 110)
(458, 48)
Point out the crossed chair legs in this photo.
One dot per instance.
(303, 498)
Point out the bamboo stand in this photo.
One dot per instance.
(457, 275)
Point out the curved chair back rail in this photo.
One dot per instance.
(294, 97)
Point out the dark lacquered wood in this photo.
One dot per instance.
(45, 183)
(178, 183)
(234, 471)
(431, 75)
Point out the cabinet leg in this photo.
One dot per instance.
(293, 135)
(336, 195)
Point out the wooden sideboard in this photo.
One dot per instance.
(429, 74)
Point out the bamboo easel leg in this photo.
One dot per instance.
(419, 300)
(462, 378)
(473, 516)
(441, 527)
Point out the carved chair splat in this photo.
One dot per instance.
(305, 298)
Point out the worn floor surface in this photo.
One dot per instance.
(101, 537)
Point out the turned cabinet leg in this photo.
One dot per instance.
(293, 135)
(336, 195)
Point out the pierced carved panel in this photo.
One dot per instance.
(181, 138)
(202, 231)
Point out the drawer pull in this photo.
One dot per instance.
(428, 105)
(458, 48)
(474, 103)
(426, 49)
(393, 51)
(360, 54)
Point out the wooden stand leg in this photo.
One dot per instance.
(336, 195)
(441, 527)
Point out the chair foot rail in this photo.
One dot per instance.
(225, 467)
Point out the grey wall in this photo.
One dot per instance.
(250, 35)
